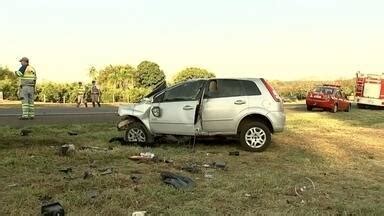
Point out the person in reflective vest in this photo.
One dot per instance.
(95, 94)
(27, 75)
(81, 95)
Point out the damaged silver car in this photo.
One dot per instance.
(247, 108)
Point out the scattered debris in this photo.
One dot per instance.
(235, 153)
(66, 170)
(71, 133)
(206, 165)
(136, 178)
(13, 185)
(92, 194)
(95, 148)
(67, 149)
(247, 195)
(209, 176)
(147, 156)
(25, 132)
(139, 213)
(106, 171)
(87, 174)
(52, 209)
(220, 164)
(192, 168)
(177, 181)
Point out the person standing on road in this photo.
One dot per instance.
(27, 75)
(81, 95)
(95, 94)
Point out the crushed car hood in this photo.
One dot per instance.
(138, 110)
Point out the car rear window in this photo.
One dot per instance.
(324, 90)
(250, 88)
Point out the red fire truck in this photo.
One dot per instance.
(369, 90)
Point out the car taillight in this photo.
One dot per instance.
(272, 91)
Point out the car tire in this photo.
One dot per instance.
(349, 108)
(255, 136)
(309, 108)
(136, 133)
(335, 108)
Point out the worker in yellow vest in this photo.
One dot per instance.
(81, 96)
(27, 75)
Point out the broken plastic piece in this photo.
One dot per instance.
(52, 209)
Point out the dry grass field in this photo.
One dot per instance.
(323, 163)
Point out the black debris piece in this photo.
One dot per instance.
(220, 164)
(71, 133)
(25, 132)
(136, 178)
(235, 153)
(177, 181)
(52, 209)
(66, 170)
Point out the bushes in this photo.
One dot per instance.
(299, 89)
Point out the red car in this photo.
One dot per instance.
(328, 97)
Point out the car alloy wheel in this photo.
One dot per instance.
(255, 137)
(136, 135)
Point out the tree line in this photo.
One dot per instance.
(126, 83)
(118, 83)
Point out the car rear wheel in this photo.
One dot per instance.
(255, 136)
(335, 108)
(309, 108)
(348, 108)
(136, 133)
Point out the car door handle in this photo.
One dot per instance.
(188, 107)
(239, 102)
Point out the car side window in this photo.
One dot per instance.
(158, 98)
(187, 91)
(250, 88)
(224, 88)
(338, 94)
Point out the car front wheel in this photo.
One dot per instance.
(136, 133)
(255, 136)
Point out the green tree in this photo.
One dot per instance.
(93, 73)
(192, 73)
(9, 84)
(149, 74)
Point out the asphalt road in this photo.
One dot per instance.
(56, 114)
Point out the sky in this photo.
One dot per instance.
(275, 39)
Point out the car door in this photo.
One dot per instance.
(222, 104)
(174, 111)
(340, 100)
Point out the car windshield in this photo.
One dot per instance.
(324, 90)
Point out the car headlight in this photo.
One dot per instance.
(156, 111)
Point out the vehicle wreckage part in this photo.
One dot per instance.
(255, 136)
(54, 209)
